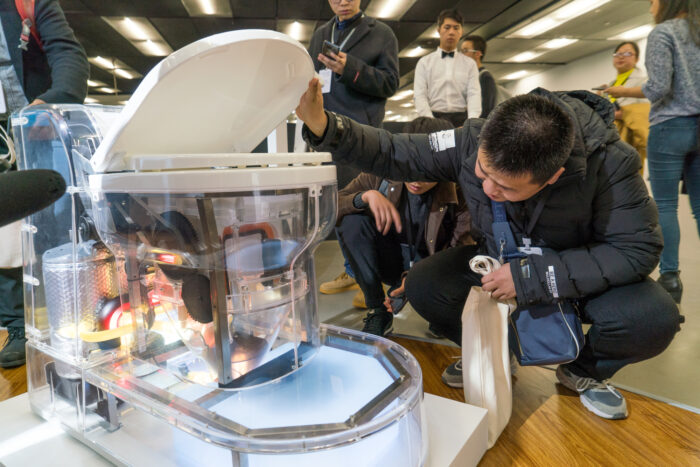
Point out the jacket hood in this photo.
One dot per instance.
(593, 118)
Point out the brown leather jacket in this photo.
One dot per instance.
(441, 231)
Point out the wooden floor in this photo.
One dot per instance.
(548, 426)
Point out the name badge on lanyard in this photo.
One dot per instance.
(326, 77)
(327, 74)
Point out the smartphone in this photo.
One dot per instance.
(329, 47)
(599, 88)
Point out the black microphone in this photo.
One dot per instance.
(25, 192)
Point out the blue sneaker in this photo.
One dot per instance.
(597, 396)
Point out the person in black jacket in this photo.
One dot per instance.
(570, 188)
(54, 72)
(360, 78)
(363, 74)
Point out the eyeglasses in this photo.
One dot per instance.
(623, 54)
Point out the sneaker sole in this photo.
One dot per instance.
(453, 385)
(13, 364)
(329, 291)
(564, 381)
(600, 413)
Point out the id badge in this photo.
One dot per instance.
(326, 77)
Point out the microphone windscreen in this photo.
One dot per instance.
(25, 192)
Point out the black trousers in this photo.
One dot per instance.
(11, 298)
(629, 323)
(374, 258)
(456, 118)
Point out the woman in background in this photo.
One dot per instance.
(631, 113)
(673, 87)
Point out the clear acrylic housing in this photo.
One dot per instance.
(172, 314)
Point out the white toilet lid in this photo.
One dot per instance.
(221, 94)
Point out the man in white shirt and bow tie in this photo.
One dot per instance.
(446, 82)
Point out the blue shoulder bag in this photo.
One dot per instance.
(541, 334)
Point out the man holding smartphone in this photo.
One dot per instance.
(359, 66)
(357, 59)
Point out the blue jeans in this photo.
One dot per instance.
(669, 144)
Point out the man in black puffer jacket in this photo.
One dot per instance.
(570, 188)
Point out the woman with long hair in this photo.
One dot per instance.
(673, 87)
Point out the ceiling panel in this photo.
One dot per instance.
(256, 8)
(490, 18)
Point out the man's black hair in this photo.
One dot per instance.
(478, 43)
(427, 125)
(528, 135)
(451, 13)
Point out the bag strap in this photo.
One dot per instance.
(25, 8)
(502, 234)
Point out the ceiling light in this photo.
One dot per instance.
(208, 7)
(123, 73)
(137, 31)
(112, 65)
(389, 112)
(401, 95)
(90, 100)
(104, 63)
(558, 43)
(407, 104)
(557, 17)
(153, 48)
(141, 33)
(108, 90)
(633, 34)
(297, 29)
(388, 9)
(524, 56)
(94, 84)
(516, 74)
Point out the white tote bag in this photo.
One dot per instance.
(485, 354)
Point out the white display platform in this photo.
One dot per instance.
(457, 436)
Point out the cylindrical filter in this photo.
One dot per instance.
(76, 280)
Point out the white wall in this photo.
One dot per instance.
(584, 73)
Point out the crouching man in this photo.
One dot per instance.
(570, 187)
(385, 227)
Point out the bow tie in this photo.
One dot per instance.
(448, 54)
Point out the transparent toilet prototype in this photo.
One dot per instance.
(171, 293)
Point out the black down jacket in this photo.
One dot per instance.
(599, 226)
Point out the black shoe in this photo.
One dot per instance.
(434, 332)
(671, 281)
(13, 354)
(378, 322)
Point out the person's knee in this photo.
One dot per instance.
(355, 226)
(658, 322)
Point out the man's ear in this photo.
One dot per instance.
(553, 179)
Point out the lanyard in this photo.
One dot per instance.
(346, 39)
(505, 241)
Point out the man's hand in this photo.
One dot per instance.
(385, 213)
(499, 283)
(336, 62)
(394, 293)
(618, 115)
(310, 109)
(37, 102)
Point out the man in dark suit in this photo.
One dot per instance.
(358, 81)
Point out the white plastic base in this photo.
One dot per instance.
(457, 436)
